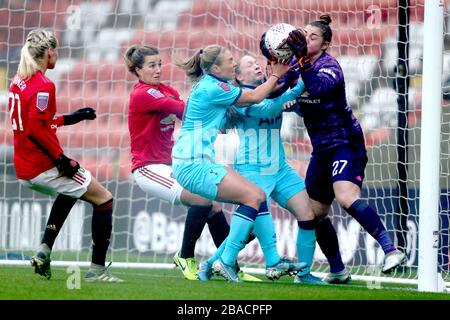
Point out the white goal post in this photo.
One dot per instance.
(429, 275)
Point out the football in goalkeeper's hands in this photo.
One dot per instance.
(275, 36)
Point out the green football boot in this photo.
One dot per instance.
(188, 266)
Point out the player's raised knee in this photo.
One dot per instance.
(345, 200)
(257, 197)
(107, 195)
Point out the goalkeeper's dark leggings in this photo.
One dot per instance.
(196, 218)
(328, 242)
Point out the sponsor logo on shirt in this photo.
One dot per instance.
(224, 86)
(42, 100)
(309, 101)
(304, 98)
(328, 71)
(155, 93)
(269, 121)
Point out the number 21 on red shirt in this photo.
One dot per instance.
(15, 98)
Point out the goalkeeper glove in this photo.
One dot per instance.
(79, 115)
(66, 166)
(304, 64)
(297, 41)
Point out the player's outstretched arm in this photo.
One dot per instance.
(272, 107)
(250, 97)
(86, 113)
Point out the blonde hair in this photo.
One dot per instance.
(38, 41)
(135, 56)
(201, 62)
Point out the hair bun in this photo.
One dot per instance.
(325, 19)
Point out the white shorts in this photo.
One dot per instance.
(51, 182)
(156, 180)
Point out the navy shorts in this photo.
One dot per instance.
(341, 164)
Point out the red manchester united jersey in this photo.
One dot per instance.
(151, 121)
(32, 109)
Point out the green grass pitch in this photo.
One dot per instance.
(21, 283)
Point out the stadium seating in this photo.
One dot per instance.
(164, 15)
(357, 70)
(381, 110)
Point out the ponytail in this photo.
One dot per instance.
(192, 66)
(38, 41)
(201, 62)
(27, 65)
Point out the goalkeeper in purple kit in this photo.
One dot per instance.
(338, 160)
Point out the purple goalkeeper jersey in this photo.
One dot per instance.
(323, 105)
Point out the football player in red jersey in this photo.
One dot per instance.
(39, 159)
(152, 111)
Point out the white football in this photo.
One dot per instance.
(275, 36)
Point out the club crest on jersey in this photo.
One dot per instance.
(155, 93)
(42, 100)
(225, 86)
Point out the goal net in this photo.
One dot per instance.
(93, 35)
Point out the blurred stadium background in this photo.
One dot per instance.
(93, 35)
